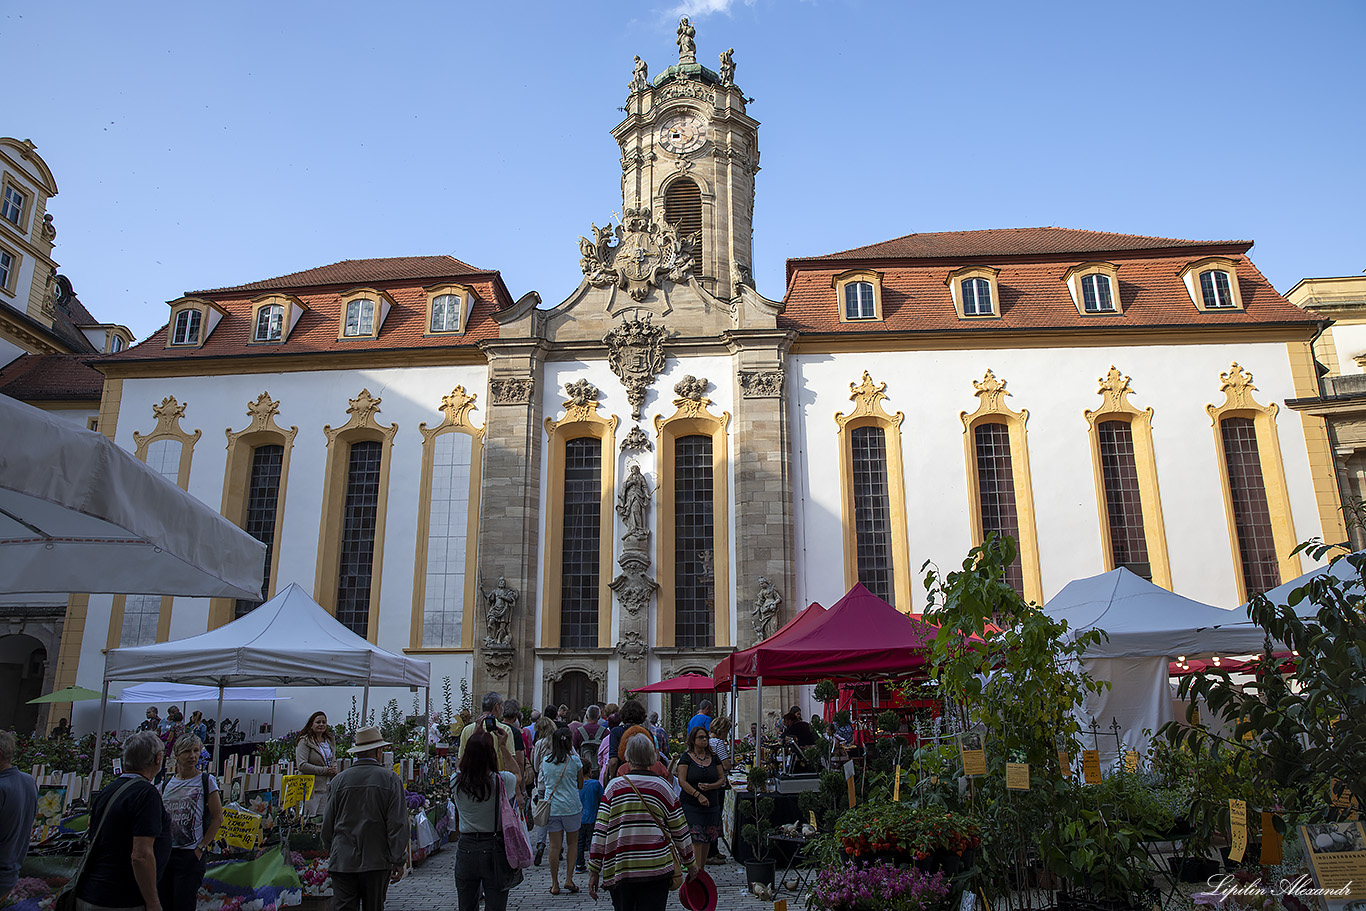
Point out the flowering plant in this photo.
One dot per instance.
(906, 832)
(877, 887)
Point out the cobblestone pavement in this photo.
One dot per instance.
(431, 887)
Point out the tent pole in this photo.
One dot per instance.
(99, 729)
(759, 713)
(427, 730)
(365, 704)
(272, 716)
(218, 735)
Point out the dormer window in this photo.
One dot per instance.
(1212, 284)
(360, 317)
(859, 295)
(192, 321)
(977, 297)
(1095, 289)
(1095, 293)
(270, 323)
(362, 313)
(1215, 288)
(975, 292)
(115, 344)
(187, 323)
(448, 308)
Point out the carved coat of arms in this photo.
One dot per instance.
(642, 256)
(635, 352)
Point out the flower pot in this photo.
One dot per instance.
(1252, 856)
(759, 871)
(1193, 869)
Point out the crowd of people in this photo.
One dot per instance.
(601, 793)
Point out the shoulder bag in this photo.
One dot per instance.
(516, 846)
(540, 807)
(66, 899)
(679, 873)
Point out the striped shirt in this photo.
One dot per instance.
(627, 842)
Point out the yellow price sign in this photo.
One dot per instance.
(896, 786)
(240, 828)
(1017, 776)
(296, 789)
(1090, 766)
(813, 819)
(1131, 761)
(1065, 763)
(1237, 814)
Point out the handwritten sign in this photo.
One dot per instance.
(1131, 761)
(297, 789)
(896, 786)
(1065, 763)
(1090, 766)
(1237, 814)
(240, 828)
(1017, 776)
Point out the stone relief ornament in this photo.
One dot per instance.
(761, 384)
(635, 352)
(632, 646)
(501, 600)
(765, 611)
(510, 391)
(633, 585)
(692, 388)
(581, 393)
(636, 441)
(643, 254)
(49, 230)
(681, 86)
(498, 661)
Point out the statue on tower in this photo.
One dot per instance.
(687, 48)
(728, 67)
(640, 75)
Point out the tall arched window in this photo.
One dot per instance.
(582, 528)
(263, 503)
(1123, 498)
(683, 210)
(694, 543)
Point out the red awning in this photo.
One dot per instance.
(860, 637)
(687, 683)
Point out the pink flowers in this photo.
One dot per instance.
(877, 887)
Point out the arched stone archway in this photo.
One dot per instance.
(23, 668)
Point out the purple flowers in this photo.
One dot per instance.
(877, 887)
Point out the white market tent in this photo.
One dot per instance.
(155, 693)
(79, 514)
(289, 640)
(1148, 627)
(1341, 570)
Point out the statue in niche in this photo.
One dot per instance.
(765, 611)
(728, 67)
(501, 600)
(687, 47)
(634, 502)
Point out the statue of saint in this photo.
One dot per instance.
(500, 602)
(728, 67)
(766, 609)
(640, 74)
(634, 502)
(687, 48)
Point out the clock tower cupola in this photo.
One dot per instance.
(689, 153)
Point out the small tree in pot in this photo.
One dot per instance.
(757, 813)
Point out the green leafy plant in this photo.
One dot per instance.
(826, 691)
(758, 810)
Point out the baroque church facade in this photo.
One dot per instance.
(567, 502)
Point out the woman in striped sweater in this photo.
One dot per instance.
(639, 828)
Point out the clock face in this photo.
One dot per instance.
(683, 132)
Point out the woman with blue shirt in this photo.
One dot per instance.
(561, 775)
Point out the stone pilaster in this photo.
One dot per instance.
(510, 511)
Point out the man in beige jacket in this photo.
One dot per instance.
(365, 828)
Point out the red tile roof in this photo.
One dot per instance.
(51, 377)
(353, 272)
(403, 279)
(1014, 242)
(1033, 295)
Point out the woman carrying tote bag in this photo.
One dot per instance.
(481, 857)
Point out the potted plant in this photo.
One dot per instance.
(877, 887)
(757, 808)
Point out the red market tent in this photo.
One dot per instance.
(859, 638)
(687, 683)
(724, 671)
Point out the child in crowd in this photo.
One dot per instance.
(590, 795)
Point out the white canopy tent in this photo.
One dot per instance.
(157, 693)
(79, 514)
(1148, 627)
(1341, 570)
(289, 640)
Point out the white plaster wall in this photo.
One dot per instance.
(932, 388)
(1350, 341)
(9, 351)
(410, 396)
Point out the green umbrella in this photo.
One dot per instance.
(69, 694)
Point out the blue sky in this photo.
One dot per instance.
(201, 145)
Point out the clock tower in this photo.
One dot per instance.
(689, 153)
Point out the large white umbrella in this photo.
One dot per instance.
(79, 514)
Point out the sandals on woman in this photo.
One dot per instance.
(571, 888)
(554, 890)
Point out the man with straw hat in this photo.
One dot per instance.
(365, 828)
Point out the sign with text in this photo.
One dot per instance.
(1237, 816)
(1017, 776)
(1337, 861)
(1065, 763)
(296, 789)
(1090, 766)
(240, 828)
(1131, 761)
(896, 786)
